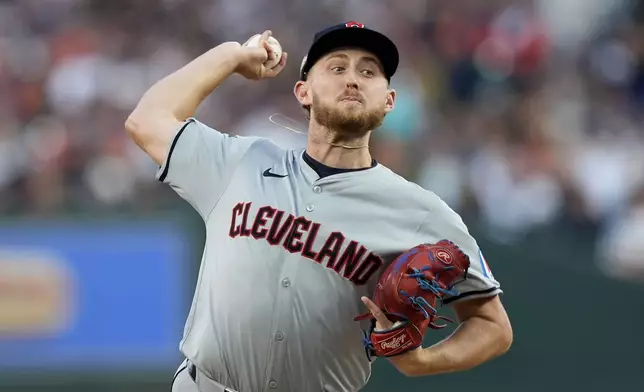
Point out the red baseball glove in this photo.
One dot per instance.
(407, 293)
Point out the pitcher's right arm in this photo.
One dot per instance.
(195, 160)
(171, 101)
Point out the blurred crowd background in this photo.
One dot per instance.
(525, 116)
(520, 113)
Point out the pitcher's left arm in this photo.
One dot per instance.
(484, 331)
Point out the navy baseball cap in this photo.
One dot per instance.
(352, 34)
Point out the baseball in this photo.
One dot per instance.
(276, 56)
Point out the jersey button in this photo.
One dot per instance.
(286, 282)
(317, 189)
(279, 336)
(310, 207)
(272, 384)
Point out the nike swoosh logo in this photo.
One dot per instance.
(268, 173)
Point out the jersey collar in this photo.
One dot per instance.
(312, 176)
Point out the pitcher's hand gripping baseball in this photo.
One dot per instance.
(407, 294)
(261, 57)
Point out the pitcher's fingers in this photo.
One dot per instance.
(279, 67)
(268, 47)
(377, 313)
(265, 35)
(282, 63)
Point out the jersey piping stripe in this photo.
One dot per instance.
(184, 367)
(174, 143)
(471, 293)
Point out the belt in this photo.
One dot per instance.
(192, 372)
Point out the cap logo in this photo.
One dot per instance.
(354, 24)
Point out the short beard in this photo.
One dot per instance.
(344, 122)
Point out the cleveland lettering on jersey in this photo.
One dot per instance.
(297, 234)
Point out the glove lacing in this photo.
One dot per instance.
(432, 285)
(368, 345)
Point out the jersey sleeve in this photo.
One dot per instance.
(200, 162)
(444, 223)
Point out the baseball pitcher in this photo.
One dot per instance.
(297, 239)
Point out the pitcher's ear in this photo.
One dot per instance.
(390, 101)
(301, 92)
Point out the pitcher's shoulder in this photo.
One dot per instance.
(408, 191)
(264, 149)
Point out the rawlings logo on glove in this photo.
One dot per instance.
(395, 343)
(407, 293)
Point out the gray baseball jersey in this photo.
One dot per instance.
(288, 256)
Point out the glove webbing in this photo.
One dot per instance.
(432, 285)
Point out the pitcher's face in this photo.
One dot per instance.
(347, 91)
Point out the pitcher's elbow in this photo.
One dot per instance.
(137, 125)
(131, 125)
(506, 339)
